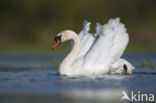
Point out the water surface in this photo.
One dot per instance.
(33, 77)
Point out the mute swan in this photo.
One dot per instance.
(96, 56)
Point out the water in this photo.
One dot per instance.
(33, 78)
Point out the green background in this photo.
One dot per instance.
(30, 25)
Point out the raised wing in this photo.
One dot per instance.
(99, 29)
(110, 45)
(86, 39)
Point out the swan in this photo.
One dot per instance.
(95, 54)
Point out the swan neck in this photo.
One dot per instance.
(70, 58)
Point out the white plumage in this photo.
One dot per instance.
(96, 56)
(86, 39)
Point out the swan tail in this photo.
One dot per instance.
(121, 66)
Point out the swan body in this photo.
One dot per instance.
(96, 54)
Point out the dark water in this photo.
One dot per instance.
(33, 78)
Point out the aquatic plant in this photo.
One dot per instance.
(148, 63)
(56, 63)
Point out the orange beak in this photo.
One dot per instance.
(57, 43)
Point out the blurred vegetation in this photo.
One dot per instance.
(148, 63)
(27, 25)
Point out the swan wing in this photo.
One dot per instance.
(87, 39)
(109, 46)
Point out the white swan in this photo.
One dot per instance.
(96, 54)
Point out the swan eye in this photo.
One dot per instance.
(58, 38)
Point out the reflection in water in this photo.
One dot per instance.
(70, 96)
(99, 95)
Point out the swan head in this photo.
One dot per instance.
(63, 36)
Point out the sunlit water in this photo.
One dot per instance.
(33, 77)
